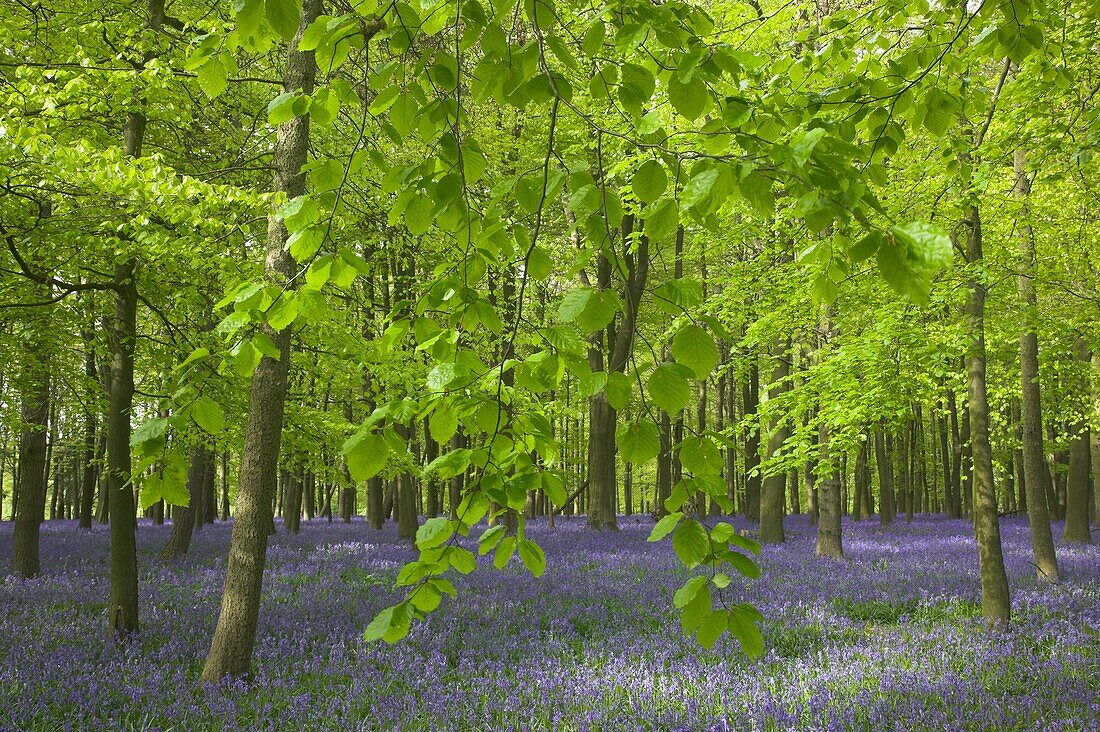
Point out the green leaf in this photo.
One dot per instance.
(803, 144)
(669, 387)
(690, 542)
(433, 532)
(661, 218)
(711, 629)
(639, 442)
(462, 560)
(678, 295)
(591, 384)
(213, 78)
(390, 625)
(650, 181)
(745, 543)
(533, 557)
(441, 375)
(366, 455)
(866, 247)
(443, 423)
(384, 99)
(700, 456)
(593, 38)
(742, 564)
(282, 312)
(282, 16)
(688, 98)
(418, 214)
(281, 108)
(665, 526)
(450, 463)
(554, 488)
(619, 390)
(168, 484)
(693, 614)
(742, 626)
(757, 190)
(150, 429)
(699, 188)
(315, 33)
(539, 264)
(695, 348)
(504, 552)
(208, 414)
(489, 539)
(574, 303)
(425, 597)
(688, 591)
(926, 245)
(599, 311)
(403, 113)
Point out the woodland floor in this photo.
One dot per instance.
(889, 639)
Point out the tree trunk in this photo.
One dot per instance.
(619, 344)
(407, 522)
(431, 452)
(88, 470)
(773, 492)
(953, 490)
(750, 395)
(996, 602)
(601, 463)
(121, 504)
(292, 502)
(1077, 481)
(830, 502)
(1096, 442)
(183, 519)
(225, 486)
(829, 543)
(885, 477)
(454, 485)
(30, 487)
(231, 649)
(1035, 465)
(119, 496)
(860, 480)
(664, 467)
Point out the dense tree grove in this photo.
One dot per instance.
(465, 267)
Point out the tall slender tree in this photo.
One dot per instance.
(231, 648)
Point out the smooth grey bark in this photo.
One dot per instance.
(1036, 474)
(1076, 530)
(122, 336)
(829, 503)
(88, 475)
(829, 536)
(292, 502)
(602, 484)
(862, 481)
(996, 600)
(235, 635)
(885, 477)
(183, 518)
(953, 489)
(773, 489)
(30, 487)
(750, 397)
(121, 502)
(664, 467)
(1096, 442)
